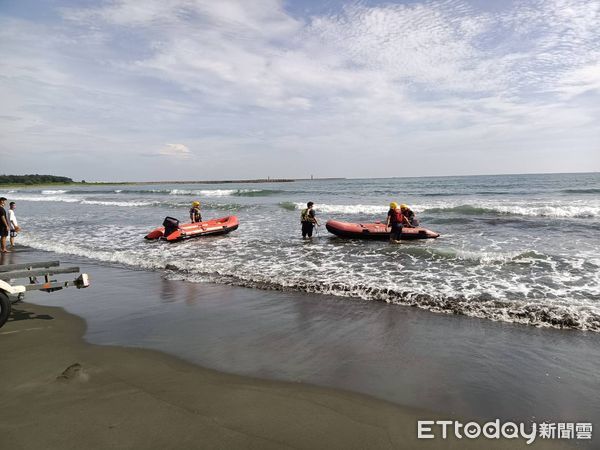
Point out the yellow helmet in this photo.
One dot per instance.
(195, 204)
(394, 205)
(403, 206)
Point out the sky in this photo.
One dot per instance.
(235, 89)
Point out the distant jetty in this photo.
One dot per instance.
(258, 180)
(43, 180)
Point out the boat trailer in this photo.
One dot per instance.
(11, 293)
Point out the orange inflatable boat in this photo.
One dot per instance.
(173, 231)
(375, 230)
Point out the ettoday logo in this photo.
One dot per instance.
(432, 429)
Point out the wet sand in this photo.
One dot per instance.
(58, 392)
(425, 366)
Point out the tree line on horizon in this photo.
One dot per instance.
(33, 179)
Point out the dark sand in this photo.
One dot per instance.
(454, 366)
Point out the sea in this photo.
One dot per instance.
(512, 248)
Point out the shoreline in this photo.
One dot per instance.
(420, 364)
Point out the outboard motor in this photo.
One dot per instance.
(171, 224)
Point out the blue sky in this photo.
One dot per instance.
(204, 89)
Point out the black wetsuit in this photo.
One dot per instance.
(3, 227)
(195, 215)
(308, 222)
(410, 216)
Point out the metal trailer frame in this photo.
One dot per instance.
(11, 293)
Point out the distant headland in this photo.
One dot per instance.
(31, 180)
(34, 179)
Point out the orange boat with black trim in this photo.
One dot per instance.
(375, 230)
(173, 231)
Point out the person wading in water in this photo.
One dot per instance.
(308, 220)
(394, 220)
(195, 215)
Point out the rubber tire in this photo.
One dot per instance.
(5, 307)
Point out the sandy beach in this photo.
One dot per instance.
(59, 392)
(63, 392)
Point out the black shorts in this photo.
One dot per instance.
(396, 231)
(3, 232)
(307, 229)
(13, 233)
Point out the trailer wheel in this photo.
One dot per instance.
(4, 308)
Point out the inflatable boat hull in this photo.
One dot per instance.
(212, 227)
(377, 231)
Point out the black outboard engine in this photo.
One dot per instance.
(171, 224)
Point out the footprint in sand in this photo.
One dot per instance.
(74, 372)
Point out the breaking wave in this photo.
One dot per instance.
(126, 203)
(117, 203)
(484, 306)
(553, 211)
(533, 310)
(560, 211)
(224, 192)
(339, 209)
(54, 192)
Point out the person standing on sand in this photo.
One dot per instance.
(12, 223)
(4, 227)
(308, 220)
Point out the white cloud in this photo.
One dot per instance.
(583, 80)
(246, 79)
(175, 150)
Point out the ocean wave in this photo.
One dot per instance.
(54, 191)
(533, 310)
(536, 311)
(337, 209)
(176, 192)
(484, 209)
(224, 192)
(73, 199)
(455, 194)
(478, 257)
(485, 306)
(45, 198)
(553, 211)
(290, 206)
(126, 204)
(582, 191)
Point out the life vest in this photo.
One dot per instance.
(195, 214)
(305, 216)
(397, 216)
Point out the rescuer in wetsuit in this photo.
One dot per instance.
(395, 219)
(308, 220)
(409, 216)
(195, 215)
